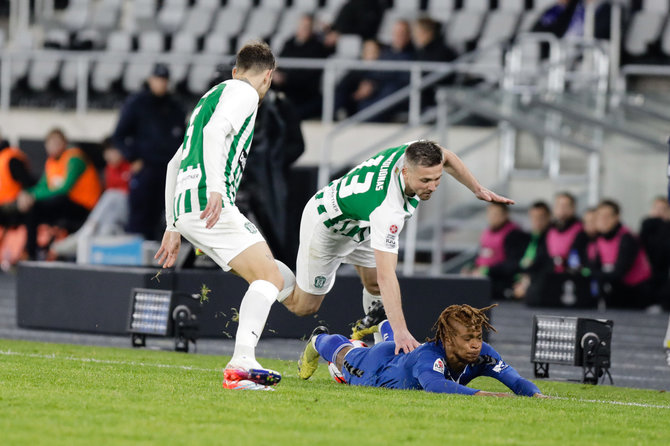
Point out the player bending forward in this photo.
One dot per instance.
(358, 219)
(445, 364)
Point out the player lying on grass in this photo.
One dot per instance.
(445, 364)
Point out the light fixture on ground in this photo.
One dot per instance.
(163, 313)
(572, 341)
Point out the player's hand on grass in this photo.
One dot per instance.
(404, 341)
(498, 394)
(212, 212)
(486, 195)
(541, 395)
(167, 253)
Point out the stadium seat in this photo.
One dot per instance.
(305, 5)
(512, 5)
(43, 70)
(406, 6)
(464, 26)
(644, 28)
(230, 22)
(441, 10)
(76, 15)
(289, 21)
(68, 75)
(2, 38)
(109, 70)
(348, 46)
(57, 38)
(263, 20)
(171, 15)
(106, 15)
(477, 5)
(150, 42)
(89, 38)
(247, 37)
(326, 15)
(198, 21)
(136, 73)
(500, 25)
(182, 43)
(665, 40)
(660, 6)
(19, 66)
(208, 4)
(143, 14)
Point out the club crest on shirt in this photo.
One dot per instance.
(393, 229)
(500, 367)
(438, 365)
(319, 281)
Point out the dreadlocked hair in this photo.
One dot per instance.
(466, 315)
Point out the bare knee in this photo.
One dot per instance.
(372, 288)
(303, 304)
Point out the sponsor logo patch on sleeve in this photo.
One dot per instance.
(500, 366)
(438, 365)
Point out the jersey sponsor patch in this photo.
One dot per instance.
(438, 365)
(393, 229)
(500, 366)
(391, 242)
(188, 178)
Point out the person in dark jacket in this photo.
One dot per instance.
(302, 87)
(360, 17)
(566, 18)
(622, 268)
(502, 246)
(150, 129)
(535, 263)
(655, 238)
(428, 42)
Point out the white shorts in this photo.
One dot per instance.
(322, 252)
(231, 235)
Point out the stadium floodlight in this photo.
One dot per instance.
(572, 341)
(163, 313)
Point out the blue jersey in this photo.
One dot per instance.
(426, 368)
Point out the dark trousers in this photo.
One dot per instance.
(60, 211)
(146, 202)
(619, 295)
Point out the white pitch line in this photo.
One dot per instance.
(617, 403)
(106, 361)
(200, 369)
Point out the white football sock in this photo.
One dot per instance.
(254, 311)
(289, 281)
(368, 299)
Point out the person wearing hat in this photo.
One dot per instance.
(150, 129)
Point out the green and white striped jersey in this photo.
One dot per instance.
(369, 202)
(216, 146)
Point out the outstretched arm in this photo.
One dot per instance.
(167, 253)
(390, 291)
(455, 167)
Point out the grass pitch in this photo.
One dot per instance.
(75, 395)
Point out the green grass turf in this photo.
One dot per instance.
(53, 394)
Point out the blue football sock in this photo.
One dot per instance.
(329, 346)
(386, 330)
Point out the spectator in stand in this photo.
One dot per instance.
(430, 47)
(535, 263)
(622, 269)
(66, 193)
(566, 237)
(502, 245)
(15, 176)
(149, 131)
(302, 87)
(358, 89)
(427, 38)
(655, 238)
(360, 17)
(110, 214)
(566, 18)
(588, 253)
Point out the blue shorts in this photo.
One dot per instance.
(364, 366)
